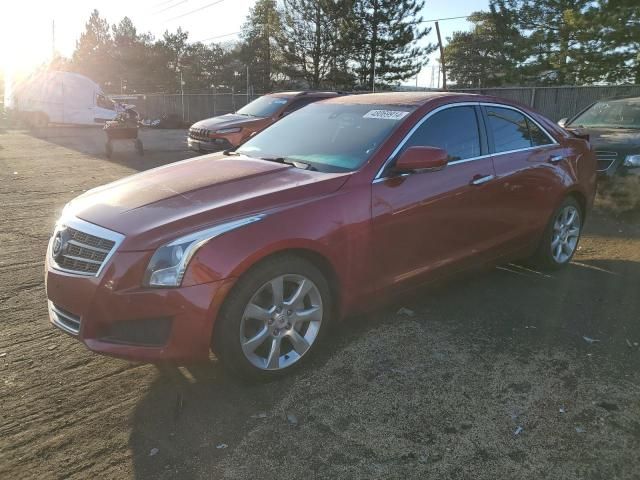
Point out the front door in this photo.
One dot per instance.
(424, 222)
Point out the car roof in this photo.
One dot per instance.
(410, 99)
(305, 93)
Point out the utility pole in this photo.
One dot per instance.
(247, 84)
(444, 70)
(182, 93)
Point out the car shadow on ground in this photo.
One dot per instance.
(196, 417)
(160, 146)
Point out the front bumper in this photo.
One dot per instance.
(215, 145)
(134, 323)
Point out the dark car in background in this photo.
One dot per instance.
(613, 127)
(228, 131)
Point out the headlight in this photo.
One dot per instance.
(632, 161)
(229, 130)
(169, 262)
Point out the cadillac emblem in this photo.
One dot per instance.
(57, 245)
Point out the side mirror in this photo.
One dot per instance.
(563, 121)
(421, 158)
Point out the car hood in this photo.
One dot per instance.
(227, 121)
(617, 138)
(155, 206)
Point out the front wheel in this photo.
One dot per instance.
(560, 240)
(273, 319)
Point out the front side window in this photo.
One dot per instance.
(298, 104)
(264, 106)
(454, 129)
(330, 137)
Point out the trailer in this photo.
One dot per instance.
(60, 97)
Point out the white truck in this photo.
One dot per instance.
(59, 97)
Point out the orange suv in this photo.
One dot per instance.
(230, 130)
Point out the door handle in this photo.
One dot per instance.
(479, 180)
(556, 158)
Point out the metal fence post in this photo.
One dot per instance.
(532, 103)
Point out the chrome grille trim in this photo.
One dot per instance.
(87, 248)
(64, 320)
(199, 133)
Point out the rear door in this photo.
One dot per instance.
(426, 221)
(528, 177)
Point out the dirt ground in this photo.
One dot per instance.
(485, 377)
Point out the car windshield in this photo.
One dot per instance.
(262, 107)
(330, 137)
(614, 114)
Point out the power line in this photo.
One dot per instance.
(170, 7)
(443, 19)
(217, 36)
(196, 10)
(161, 4)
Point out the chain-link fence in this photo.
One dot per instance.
(559, 102)
(192, 106)
(554, 102)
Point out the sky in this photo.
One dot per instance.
(27, 34)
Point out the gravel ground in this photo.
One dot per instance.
(487, 376)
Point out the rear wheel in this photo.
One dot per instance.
(560, 240)
(274, 318)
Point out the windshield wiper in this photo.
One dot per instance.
(288, 161)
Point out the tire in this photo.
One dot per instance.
(252, 321)
(108, 148)
(561, 237)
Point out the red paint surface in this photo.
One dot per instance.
(378, 238)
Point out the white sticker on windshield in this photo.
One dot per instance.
(386, 114)
(280, 102)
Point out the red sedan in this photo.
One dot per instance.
(331, 211)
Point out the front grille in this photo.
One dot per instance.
(199, 133)
(605, 159)
(67, 321)
(75, 250)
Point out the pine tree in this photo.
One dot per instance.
(384, 35)
(309, 41)
(259, 49)
(93, 54)
(490, 54)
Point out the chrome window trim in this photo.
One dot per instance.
(378, 178)
(91, 229)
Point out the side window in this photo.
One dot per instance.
(453, 129)
(510, 129)
(538, 137)
(104, 102)
(298, 104)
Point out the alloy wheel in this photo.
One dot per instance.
(566, 232)
(281, 322)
